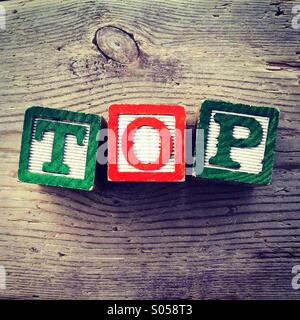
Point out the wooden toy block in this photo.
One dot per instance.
(146, 142)
(59, 148)
(239, 142)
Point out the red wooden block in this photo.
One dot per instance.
(146, 142)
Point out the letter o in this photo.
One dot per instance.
(165, 149)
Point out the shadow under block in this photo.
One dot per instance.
(146, 142)
(59, 148)
(239, 142)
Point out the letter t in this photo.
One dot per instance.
(60, 131)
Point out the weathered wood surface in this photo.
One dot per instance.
(197, 239)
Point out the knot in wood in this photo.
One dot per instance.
(116, 44)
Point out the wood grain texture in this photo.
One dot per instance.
(196, 240)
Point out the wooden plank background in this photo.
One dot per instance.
(194, 240)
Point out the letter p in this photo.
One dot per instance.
(239, 142)
(226, 139)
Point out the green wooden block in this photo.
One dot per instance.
(59, 148)
(239, 142)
